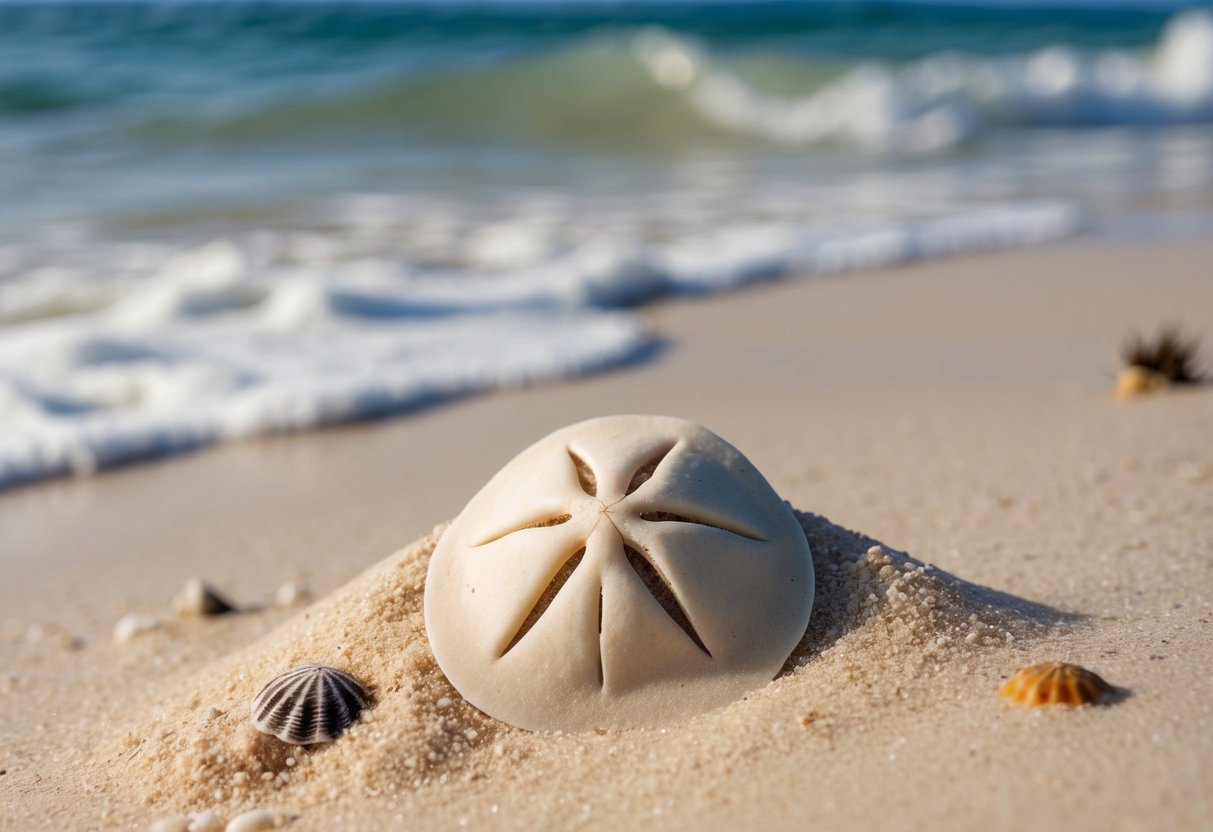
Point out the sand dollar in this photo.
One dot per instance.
(624, 571)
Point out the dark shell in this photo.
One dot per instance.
(309, 704)
(198, 597)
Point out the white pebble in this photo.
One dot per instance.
(132, 624)
(180, 823)
(291, 593)
(254, 821)
(197, 597)
(206, 822)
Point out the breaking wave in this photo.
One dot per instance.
(658, 87)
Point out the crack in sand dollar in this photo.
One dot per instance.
(549, 594)
(694, 590)
(663, 593)
(671, 517)
(585, 474)
(645, 472)
(532, 524)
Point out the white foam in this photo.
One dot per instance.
(86, 394)
(746, 255)
(227, 340)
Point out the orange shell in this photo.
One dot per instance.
(1055, 683)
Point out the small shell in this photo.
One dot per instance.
(292, 593)
(309, 704)
(206, 822)
(133, 624)
(255, 821)
(1055, 683)
(1138, 381)
(197, 597)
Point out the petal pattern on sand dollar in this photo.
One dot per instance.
(543, 500)
(510, 574)
(698, 488)
(708, 569)
(623, 571)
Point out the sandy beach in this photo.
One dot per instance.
(956, 413)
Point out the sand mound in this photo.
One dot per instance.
(884, 627)
(880, 604)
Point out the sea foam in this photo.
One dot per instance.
(235, 339)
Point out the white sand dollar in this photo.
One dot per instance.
(624, 571)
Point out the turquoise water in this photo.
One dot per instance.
(152, 110)
(223, 219)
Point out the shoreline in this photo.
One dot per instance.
(958, 410)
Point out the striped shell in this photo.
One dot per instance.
(309, 704)
(1055, 683)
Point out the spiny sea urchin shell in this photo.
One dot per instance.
(1171, 354)
(1055, 683)
(1153, 364)
(309, 704)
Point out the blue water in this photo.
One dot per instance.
(129, 107)
(220, 219)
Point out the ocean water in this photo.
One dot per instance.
(223, 219)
